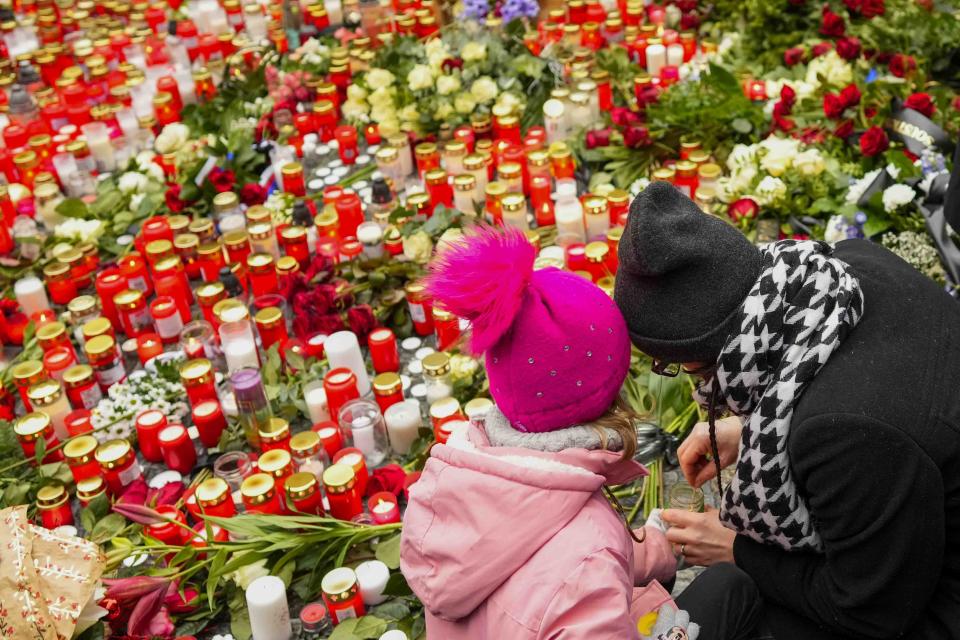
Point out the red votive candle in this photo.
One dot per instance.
(387, 390)
(58, 360)
(32, 428)
(53, 505)
(178, 451)
(149, 423)
(314, 344)
(341, 594)
(214, 498)
(383, 508)
(353, 457)
(79, 454)
(303, 493)
(134, 268)
(259, 493)
(330, 436)
(346, 136)
(210, 422)
(198, 379)
(271, 326)
(340, 386)
(118, 461)
(109, 283)
(383, 350)
(340, 481)
(78, 422)
(149, 346)
(173, 530)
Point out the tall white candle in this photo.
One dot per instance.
(241, 353)
(403, 422)
(372, 578)
(597, 225)
(343, 350)
(675, 55)
(31, 294)
(267, 606)
(568, 212)
(316, 399)
(364, 438)
(553, 120)
(98, 141)
(656, 58)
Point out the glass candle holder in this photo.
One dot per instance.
(197, 340)
(233, 467)
(686, 498)
(363, 423)
(252, 405)
(238, 344)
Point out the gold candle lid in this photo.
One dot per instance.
(596, 251)
(80, 450)
(260, 230)
(81, 305)
(305, 443)
(31, 426)
(260, 262)
(287, 265)
(212, 492)
(301, 485)
(614, 234)
(339, 478)
(436, 364)
(94, 328)
(28, 372)
(225, 201)
(51, 496)
(268, 317)
(44, 393)
(56, 270)
(196, 371)
(113, 453)
(90, 488)
(128, 299)
(596, 205)
(465, 182)
(99, 345)
(387, 383)
(210, 293)
(77, 375)
(230, 310)
(444, 408)
(257, 488)
(513, 202)
(275, 430)
(709, 170)
(477, 407)
(664, 173)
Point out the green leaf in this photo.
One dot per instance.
(876, 225)
(742, 125)
(73, 208)
(365, 628)
(388, 552)
(391, 610)
(397, 586)
(109, 527)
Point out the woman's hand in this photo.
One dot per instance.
(700, 537)
(697, 467)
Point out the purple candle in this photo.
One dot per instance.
(253, 408)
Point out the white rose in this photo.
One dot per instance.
(831, 68)
(409, 113)
(770, 190)
(172, 137)
(859, 187)
(388, 127)
(509, 100)
(464, 103)
(443, 111)
(356, 93)
(381, 96)
(131, 181)
(420, 77)
(809, 162)
(741, 155)
(741, 180)
(418, 247)
(437, 52)
(473, 51)
(155, 171)
(383, 113)
(354, 110)
(447, 85)
(484, 89)
(779, 154)
(144, 160)
(135, 200)
(897, 196)
(379, 78)
(250, 572)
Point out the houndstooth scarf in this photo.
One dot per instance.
(801, 307)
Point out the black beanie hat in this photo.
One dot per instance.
(682, 277)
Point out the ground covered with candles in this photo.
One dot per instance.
(222, 372)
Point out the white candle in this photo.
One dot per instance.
(343, 350)
(31, 295)
(241, 353)
(362, 432)
(372, 577)
(553, 120)
(656, 58)
(98, 141)
(675, 55)
(395, 634)
(370, 236)
(316, 399)
(597, 225)
(568, 213)
(334, 12)
(267, 606)
(403, 423)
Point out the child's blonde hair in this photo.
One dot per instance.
(621, 419)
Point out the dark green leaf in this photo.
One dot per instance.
(742, 125)
(109, 527)
(73, 208)
(397, 586)
(391, 610)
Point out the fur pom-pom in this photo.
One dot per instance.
(483, 277)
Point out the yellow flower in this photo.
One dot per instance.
(447, 85)
(379, 78)
(464, 103)
(420, 77)
(484, 89)
(473, 51)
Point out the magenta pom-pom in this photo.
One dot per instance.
(483, 277)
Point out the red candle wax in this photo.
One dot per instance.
(383, 350)
(148, 424)
(178, 451)
(210, 422)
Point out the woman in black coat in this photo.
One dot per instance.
(843, 517)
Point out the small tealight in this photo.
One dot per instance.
(405, 381)
(418, 391)
(164, 478)
(415, 368)
(411, 344)
(314, 619)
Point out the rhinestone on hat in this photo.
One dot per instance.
(566, 347)
(579, 383)
(530, 360)
(539, 394)
(553, 372)
(589, 354)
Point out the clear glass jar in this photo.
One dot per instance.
(686, 498)
(363, 423)
(233, 467)
(436, 376)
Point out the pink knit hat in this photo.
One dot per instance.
(557, 349)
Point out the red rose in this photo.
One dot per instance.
(636, 136)
(780, 112)
(901, 65)
(452, 63)
(743, 209)
(873, 141)
(793, 55)
(870, 112)
(686, 6)
(621, 116)
(832, 106)
(921, 102)
(304, 325)
(850, 96)
(252, 193)
(388, 478)
(853, 6)
(648, 95)
(222, 179)
(689, 21)
(811, 135)
(848, 48)
(797, 3)
(788, 96)
(597, 138)
(872, 8)
(314, 302)
(831, 24)
(955, 103)
(172, 197)
(821, 48)
(361, 320)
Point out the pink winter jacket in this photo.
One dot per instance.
(505, 543)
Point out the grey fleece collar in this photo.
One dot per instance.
(502, 434)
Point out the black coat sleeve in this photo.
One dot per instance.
(878, 503)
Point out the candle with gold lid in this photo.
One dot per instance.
(275, 438)
(104, 356)
(32, 428)
(341, 593)
(82, 309)
(237, 245)
(82, 388)
(214, 498)
(303, 494)
(96, 327)
(210, 259)
(259, 494)
(25, 374)
(340, 482)
(79, 453)
(53, 334)
(513, 210)
(157, 250)
(48, 397)
(271, 326)
(119, 463)
(59, 283)
(597, 217)
(131, 304)
(665, 174)
(53, 506)
(263, 239)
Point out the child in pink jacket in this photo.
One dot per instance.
(508, 535)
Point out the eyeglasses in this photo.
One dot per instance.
(673, 369)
